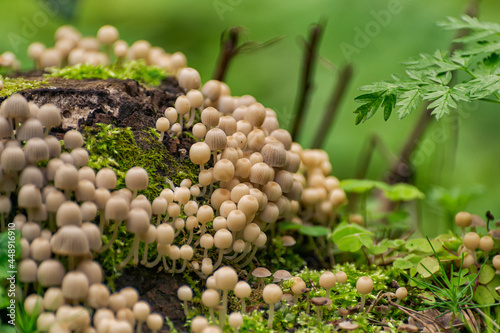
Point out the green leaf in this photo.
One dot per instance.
(421, 245)
(408, 101)
(482, 296)
(402, 264)
(357, 185)
(289, 226)
(366, 111)
(350, 237)
(315, 231)
(403, 192)
(494, 284)
(388, 105)
(486, 275)
(428, 265)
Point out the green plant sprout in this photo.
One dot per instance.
(450, 294)
(429, 77)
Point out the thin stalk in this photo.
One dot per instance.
(113, 237)
(249, 260)
(306, 79)
(222, 312)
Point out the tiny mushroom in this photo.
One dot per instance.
(261, 273)
(272, 294)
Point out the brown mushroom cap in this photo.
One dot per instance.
(281, 275)
(320, 301)
(348, 325)
(288, 240)
(261, 272)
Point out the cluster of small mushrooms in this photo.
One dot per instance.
(71, 48)
(250, 170)
(252, 175)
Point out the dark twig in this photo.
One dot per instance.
(333, 106)
(306, 79)
(228, 49)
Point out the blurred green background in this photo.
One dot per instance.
(272, 74)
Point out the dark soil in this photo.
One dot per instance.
(159, 289)
(123, 103)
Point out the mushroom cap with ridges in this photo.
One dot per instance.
(272, 293)
(75, 285)
(261, 272)
(106, 178)
(66, 177)
(92, 270)
(16, 106)
(29, 196)
(70, 240)
(68, 213)
(216, 139)
(93, 234)
(27, 270)
(12, 159)
(49, 115)
(51, 273)
(189, 78)
(73, 139)
(138, 221)
(31, 128)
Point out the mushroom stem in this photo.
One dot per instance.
(134, 251)
(186, 312)
(164, 262)
(158, 219)
(113, 237)
(319, 312)
(172, 270)
(222, 312)
(308, 299)
(363, 300)
(191, 118)
(328, 292)
(243, 306)
(219, 260)
(139, 327)
(241, 257)
(162, 135)
(249, 260)
(145, 254)
(155, 262)
(190, 239)
(181, 122)
(102, 222)
(271, 316)
(203, 191)
(184, 264)
(212, 315)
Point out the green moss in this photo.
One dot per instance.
(118, 149)
(14, 85)
(136, 70)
